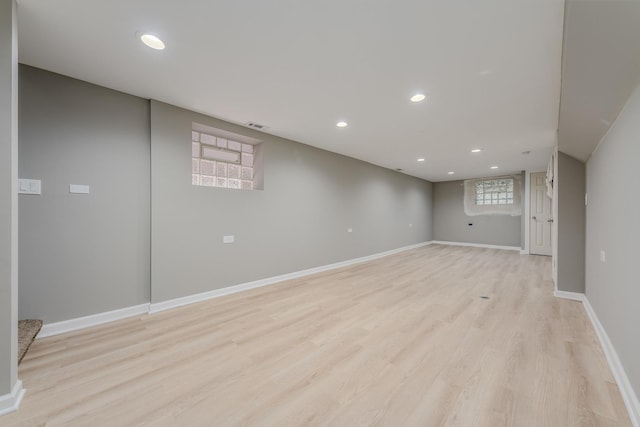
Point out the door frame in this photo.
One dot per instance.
(527, 212)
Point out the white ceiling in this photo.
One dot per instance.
(601, 67)
(490, 69)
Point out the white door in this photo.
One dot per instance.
(540, 222)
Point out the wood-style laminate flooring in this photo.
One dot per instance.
(405, 340)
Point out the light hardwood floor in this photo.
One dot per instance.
(405, 340)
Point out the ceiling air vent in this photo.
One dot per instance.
(256, 126)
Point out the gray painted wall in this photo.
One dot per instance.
(571, 223)
(451, 224)
(8, 199)
(298, 221)
(82, 254)
(613, 225)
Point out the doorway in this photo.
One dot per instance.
(540, 222)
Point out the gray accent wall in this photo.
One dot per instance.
(299, 221)
(8, 198)
(82, 254)
(451, 224)
(613, 226)
(571, 223)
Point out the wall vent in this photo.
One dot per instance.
(256, 126)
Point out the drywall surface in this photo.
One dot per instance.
(299, 221)
(451, 224)
(82, 254)
(8, 198)
(571, 223)
(613, 226)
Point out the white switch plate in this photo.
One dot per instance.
(29, 186)
(78, 189)
(603, 256)
(349, 230)
(228, 239)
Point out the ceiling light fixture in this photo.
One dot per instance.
(421, 159)
(152, 41)
(342, 124)
(450, 173)
(494, 167)
(417, 97)
(476, 150)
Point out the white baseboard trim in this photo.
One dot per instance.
(477, 245)
(56, 328)
(190, 299)
(524, 251)
(10, 402)
(575, 296)
(628, 395)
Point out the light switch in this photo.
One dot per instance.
(29, 186)
(603, 256)
(78, 189)
(349, 230)
(228, 239)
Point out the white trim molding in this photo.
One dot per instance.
(575, 296)
(477, 245)
(50, 329)
(628, 395)
(10, 402)
(526, 214)
(190, 299)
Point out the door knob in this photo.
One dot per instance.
(550, 220)
(534, 218)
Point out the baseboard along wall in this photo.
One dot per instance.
(70, 325)
(622, 380)
(10, 402)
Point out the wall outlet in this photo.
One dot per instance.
(228, 239)
(603, 256)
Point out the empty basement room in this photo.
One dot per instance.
(337, 213)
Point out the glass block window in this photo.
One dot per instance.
(221, 162)
(494, 191)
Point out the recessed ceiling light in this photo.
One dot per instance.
(417, 97)
(152, 41)
(476, 150)
(450, 173)
(494, 167)
(342, 124)
(421, 159)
